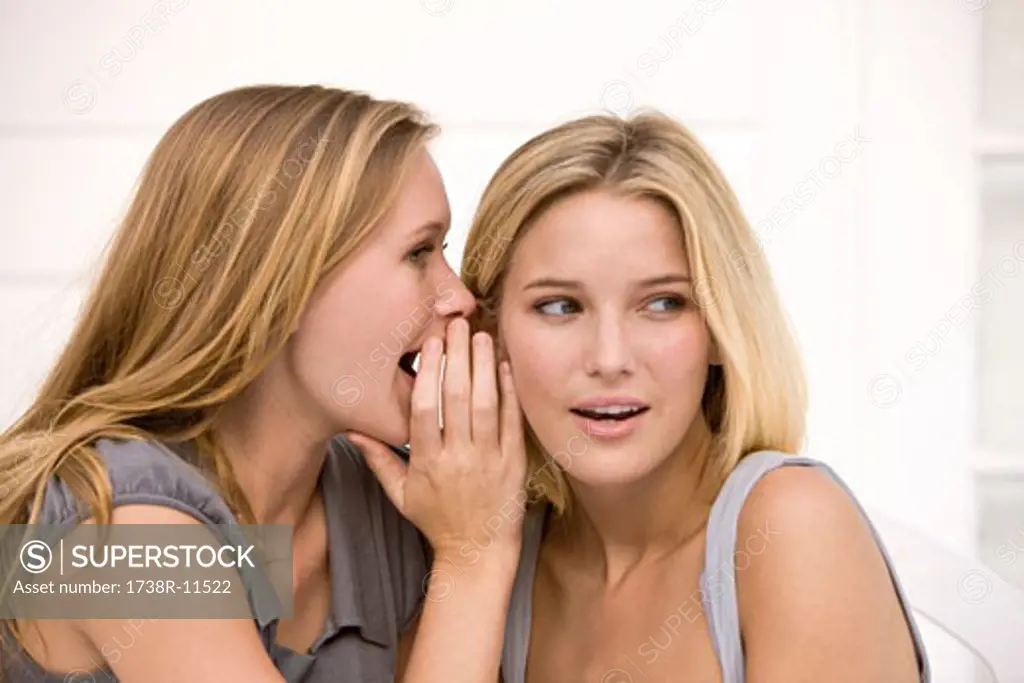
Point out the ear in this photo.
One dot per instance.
(499, 348)
(714, 354)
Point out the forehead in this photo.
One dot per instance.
(603, 236)
(421, 198)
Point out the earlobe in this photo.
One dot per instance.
(714, 355)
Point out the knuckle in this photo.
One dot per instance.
(486, 404)
(422, 406)
(457, 393)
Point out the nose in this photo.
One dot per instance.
(609, 355)
(454, 299)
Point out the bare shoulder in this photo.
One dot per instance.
(818, 601)
(790, 494)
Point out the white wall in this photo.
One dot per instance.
(869, 102)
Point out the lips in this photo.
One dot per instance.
(610, 418)
(610, 408)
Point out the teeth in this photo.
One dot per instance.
(614, 410)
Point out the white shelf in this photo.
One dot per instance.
(997, 463)
(1000, 143)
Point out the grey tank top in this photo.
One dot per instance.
(720, 606)
(377, 560)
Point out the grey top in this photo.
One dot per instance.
(378, 560)
(720, 605)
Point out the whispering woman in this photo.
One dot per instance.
(276, 274)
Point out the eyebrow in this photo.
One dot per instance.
(431, 228)
(669, 279)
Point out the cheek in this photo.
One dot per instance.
(678, 358)
(349, 330)
(320, 347)
(541, 363)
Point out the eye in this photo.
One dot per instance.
(667, 304)
(418, 254)
(557, 307)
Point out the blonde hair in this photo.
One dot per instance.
(245, 203)
(756, 398)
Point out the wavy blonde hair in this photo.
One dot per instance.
(756, 398)
(246, 202)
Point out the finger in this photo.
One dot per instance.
(425, 432)
(386, 466)
(512, 441)
(485, 392)
(456, 390)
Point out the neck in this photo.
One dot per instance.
(623, 527)
(277, 447)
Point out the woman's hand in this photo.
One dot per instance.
(467, 482)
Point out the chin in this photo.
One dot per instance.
(385, 421)
(602, 472)
(394, 432)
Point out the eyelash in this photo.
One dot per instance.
(415, 256)
(679, 301)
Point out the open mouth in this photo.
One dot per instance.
(409, 362)
(611, 413)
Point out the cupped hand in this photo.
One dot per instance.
(465, 482)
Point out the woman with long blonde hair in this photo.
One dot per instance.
(673, 531)
(275, 277)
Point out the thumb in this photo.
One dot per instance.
(386, 466)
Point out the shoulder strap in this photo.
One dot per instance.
(717, 582)
(520, 609)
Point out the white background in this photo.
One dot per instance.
(899, 230)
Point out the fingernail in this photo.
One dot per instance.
(432, 345)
